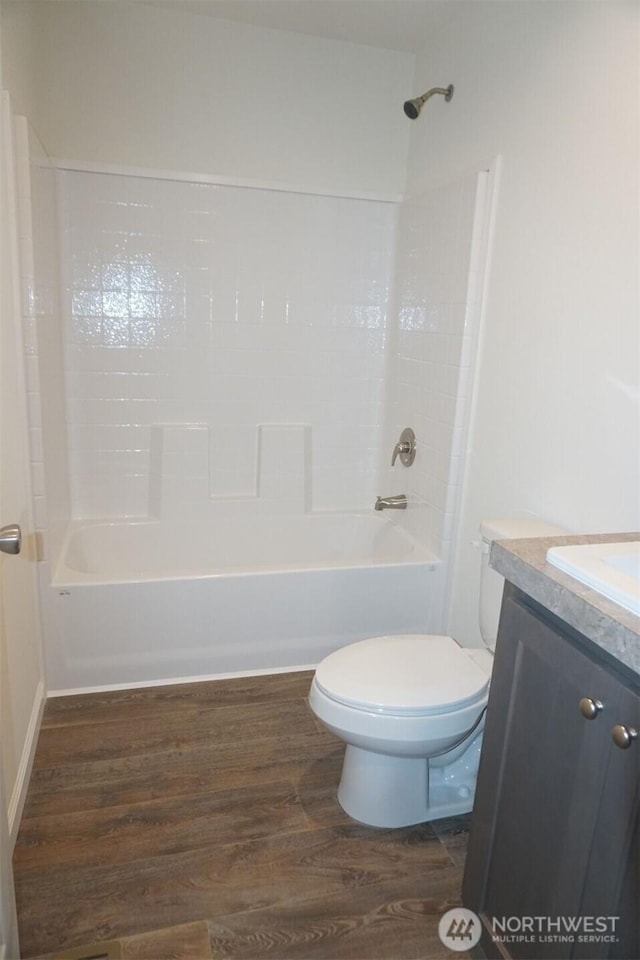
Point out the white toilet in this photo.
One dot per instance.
(411, 709)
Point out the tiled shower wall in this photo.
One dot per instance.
(233, 343)
(435, 319)
(43, 341)
(205, 327)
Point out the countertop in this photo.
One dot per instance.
(608, 625)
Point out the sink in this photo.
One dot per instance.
(612, 569)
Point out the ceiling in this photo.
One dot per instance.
(405, 25)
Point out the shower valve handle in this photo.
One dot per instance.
(400, 448)
(405, 448)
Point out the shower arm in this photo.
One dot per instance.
(446, 92)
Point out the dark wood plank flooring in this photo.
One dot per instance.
(200, 821)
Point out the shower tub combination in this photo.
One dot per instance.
(153, 601)
(257, 582)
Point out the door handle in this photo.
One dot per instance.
(11, 539)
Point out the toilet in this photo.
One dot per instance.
(410, 708)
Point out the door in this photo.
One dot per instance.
(8, 921)
(615, 847)
(21, 669)
(547, 797)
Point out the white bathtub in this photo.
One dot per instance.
(145, 602)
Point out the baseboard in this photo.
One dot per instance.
(19, 794)
(232, 675)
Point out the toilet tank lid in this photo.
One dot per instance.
(518, 528)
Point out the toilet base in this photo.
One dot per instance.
(385, 791)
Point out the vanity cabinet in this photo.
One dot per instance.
(555, 823)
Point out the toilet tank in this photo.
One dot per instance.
(491, 583)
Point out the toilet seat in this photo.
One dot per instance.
(403, 675)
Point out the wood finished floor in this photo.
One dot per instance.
(200, 821)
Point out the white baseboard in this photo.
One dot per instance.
(232, 675)
(19, 794)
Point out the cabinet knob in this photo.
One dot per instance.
(590, 708)
(622, 736)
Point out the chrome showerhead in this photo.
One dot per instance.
(412, 108)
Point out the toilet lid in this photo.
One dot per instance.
(403, 674)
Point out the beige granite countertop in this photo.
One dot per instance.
(608, 625)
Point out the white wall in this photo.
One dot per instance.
(553, 88)
(18, 53)
(159, 88)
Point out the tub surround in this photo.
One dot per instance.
(221, 342)
(229, 380)
(607, 625)
(226, 400)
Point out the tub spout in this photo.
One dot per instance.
(391, 503)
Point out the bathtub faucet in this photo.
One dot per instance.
(391, 503)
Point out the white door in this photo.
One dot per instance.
(8, 922)
(20, 652)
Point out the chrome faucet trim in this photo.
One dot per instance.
(391, 503)
(405, 448)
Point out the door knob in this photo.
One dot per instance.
(10, 538)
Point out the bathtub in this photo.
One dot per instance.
(143, 602)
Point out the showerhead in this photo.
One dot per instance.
(412, 108)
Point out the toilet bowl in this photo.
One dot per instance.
(402, 704)
(410, 708)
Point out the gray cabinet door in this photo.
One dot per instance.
(611, 883)
(540, 796)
